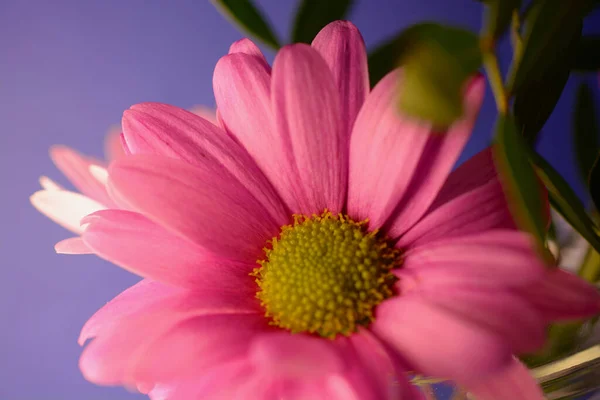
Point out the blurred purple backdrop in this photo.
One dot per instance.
(67, 71)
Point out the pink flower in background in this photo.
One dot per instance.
(89, 176)
(392, 265)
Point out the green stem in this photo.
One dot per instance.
(515, 35)
(517, 44)
(590, 269)
(490, 62)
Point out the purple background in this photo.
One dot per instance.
(67, 71)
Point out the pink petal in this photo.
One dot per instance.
(215, 384)
(220, 122)
(513, 382)
(477, 211)
(384, 150)
(477, 171)
(133, 300)
(203, 203)
(342, 46)
(371, 374)
(242, 86)
(297, 390)
(198, 345)
(72, 246)
(471, 201)
(499, 257)
(235, 380)
(139, 245)
(124, 145)
(48, 184)
(161, 129)
(337, 388)
(247, 46)
(100, 173)
(160, 347)
(332, 387)
(560, 295)
(144, 387)
(501, 313)
(76, 168)
(135, 331)
(307, 114)
(284, 355)
(113, 146)
(64, 207)
(436, 343)
(206, 113)
(398, 165)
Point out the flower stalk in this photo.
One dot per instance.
(490, 63)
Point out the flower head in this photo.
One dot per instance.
(314, 243)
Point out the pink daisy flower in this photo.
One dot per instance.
(313, 244)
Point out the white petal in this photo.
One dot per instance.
(64, 207)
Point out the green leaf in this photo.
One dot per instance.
(549, 28)
(437, 62)
(313, 15)
(564, 200)
(519, 181)
(594, 183)
(588, 54)
(590, 268)
(535, 103)
(498, 17)
(245, 14)
(585, 129)
(532, 108)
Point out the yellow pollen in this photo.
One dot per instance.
(325, 274)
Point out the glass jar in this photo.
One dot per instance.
(574, 377)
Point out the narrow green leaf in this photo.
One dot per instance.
(594, 183)
(590, 268)
(386, 57)
(532, 108)
(588, 54)
(249, 19)
(498, 16)
(313, 15)
(535, 103)
(437, 62)
(519, 181)
(549, 27)
(564, 200)
(585, 130)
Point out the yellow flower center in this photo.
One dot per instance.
(325, 274)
